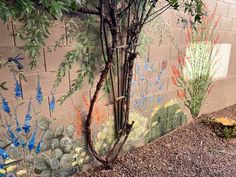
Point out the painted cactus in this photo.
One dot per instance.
(167, 118)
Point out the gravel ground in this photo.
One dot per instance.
(192, 150)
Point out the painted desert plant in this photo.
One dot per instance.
(194, 74)
(167, 118)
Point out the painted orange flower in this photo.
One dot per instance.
(174, 80)
(98, 114)
(79, 125)
(180, 94)
(181, 60)
(175, 71)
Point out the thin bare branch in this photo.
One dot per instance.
(157, 15)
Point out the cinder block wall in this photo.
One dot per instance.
(223, 93)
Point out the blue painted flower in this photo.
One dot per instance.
(146, 66)
(22, 142)
(134, 104)
(1, 166)
(52, 104)
(142, 77)
(140, 103)
(18, 90)
(28, 117)
(159, 99)
(5, 105)
(39, 93)
(162, 71)
(26, 125)
(3, 153)
(38, 147)
(18, 128)
(13, 138)
(151, 99)
(160, 86)
(138, 68)
(31, 142)
(144, 98)
(158, 79)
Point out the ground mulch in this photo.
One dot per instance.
(192, 150)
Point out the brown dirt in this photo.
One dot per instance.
(192, 150)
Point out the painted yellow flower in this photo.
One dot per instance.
(155, 111)
(177, 111)
(154, 124)
(170, 103)
(9, 161)
(2, 171)
(82, 154)
(99, 135)
(87, 158)
(21, 172)
(80, 161)
(74, 163)
(78, 149)
(76, 155)
(11, 168)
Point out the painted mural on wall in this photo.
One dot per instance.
(33, 147)
(153, 118)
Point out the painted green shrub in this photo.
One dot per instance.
(167, 118)
(106, 135)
